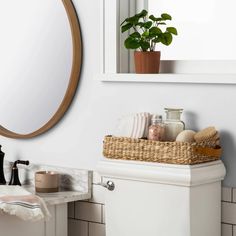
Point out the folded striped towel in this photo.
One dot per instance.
(14, 200)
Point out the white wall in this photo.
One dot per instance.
(77, 140)
(66, 144)
(200, 29)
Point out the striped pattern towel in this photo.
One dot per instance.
(14, 200)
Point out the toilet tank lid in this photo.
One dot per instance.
(182, 175)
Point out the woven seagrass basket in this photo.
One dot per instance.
(162, 152)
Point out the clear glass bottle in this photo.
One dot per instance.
(156, 130)
(173, 123)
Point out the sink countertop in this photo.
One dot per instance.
(63, 196)
(75, 184)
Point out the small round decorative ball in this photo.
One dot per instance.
(186, 136)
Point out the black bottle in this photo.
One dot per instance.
(2, 178)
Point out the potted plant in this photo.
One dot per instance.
(145, 32)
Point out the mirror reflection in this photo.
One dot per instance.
(36, 58)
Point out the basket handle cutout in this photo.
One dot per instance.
(207, 151)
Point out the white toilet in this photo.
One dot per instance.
(161, 199)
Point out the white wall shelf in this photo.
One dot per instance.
(169, 78)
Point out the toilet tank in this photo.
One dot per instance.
(162, 199)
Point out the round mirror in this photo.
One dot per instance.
(40, 61)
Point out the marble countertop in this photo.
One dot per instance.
(59, 197)
(75, 184)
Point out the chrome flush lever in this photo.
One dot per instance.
(109, 185)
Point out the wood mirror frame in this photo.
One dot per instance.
(73, 82)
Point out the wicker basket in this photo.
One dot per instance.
(162, 152)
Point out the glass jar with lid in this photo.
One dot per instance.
(156, 130)
(173, 123)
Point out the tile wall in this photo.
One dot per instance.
(228, 211)
(87, 218)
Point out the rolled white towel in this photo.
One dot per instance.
(133, 125)
(124, 127)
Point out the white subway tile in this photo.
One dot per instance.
(77, 228)
(234, 230)
(97, 229)
(103, 214)
(96, 178)
(88, 211)
(71, 210)
(98, 194)
(226, 194)
(234, 194)
(226, 230)
(228, 212)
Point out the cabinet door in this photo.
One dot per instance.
(56, 226)
(11, 225)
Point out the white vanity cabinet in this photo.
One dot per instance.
(75, 185)
(56, 226)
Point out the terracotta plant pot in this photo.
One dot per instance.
(147, 62)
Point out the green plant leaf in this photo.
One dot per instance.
(140, 24)
(132, 43)
(159, 19)
(147, 24)
(126, 27)
(123, 22)
(133, 20)
(162, 23)
(145, 34)
(135, 35)
(144, 45)
(143, 13)
(154, 31)
(157, 40)
(172, 30)
(153, 18)
(166, 38)
(166, 16)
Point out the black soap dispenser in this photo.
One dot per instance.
(2, 178)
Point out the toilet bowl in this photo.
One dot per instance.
(162, 199)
